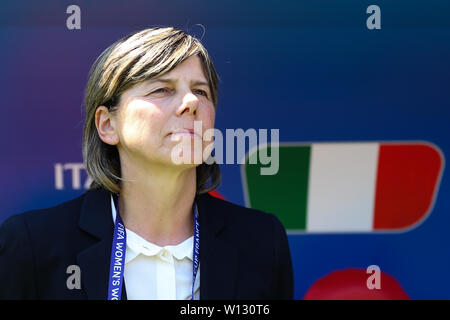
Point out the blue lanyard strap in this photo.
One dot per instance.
(117, 264)
(196, 251)
(118, 251)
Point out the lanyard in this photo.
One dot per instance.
(117, 263)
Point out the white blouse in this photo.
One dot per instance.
(158, 273)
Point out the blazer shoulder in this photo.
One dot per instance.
(31, 246)
(247, 218)
(44, 220)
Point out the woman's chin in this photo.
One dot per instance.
(185, 157)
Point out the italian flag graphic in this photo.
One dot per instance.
(347, 187)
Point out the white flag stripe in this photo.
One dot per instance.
(342, 181)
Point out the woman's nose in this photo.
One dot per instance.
(188, 105)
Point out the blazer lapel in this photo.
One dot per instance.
(218, 258)
(96, 219)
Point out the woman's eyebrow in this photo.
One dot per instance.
(162, 80)
(168, 80)
(200, 83)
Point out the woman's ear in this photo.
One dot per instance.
(106, 123)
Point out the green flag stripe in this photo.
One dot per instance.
(284, 194)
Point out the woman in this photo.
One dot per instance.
(147, 223)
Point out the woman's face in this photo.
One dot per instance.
(157, 115)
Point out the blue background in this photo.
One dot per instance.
(310, 68)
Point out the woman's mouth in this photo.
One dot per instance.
(184, 133)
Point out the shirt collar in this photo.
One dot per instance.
(137, 245)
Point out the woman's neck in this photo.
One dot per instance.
(158, 205)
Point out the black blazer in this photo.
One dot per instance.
(244, 253)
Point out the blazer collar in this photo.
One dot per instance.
(218, 258)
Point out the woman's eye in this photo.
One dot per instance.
(201, 92)
(161, 90)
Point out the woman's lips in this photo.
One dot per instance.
(184, 133)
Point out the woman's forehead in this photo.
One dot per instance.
(190, 68)
(191, 71)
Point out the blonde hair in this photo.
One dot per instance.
(135, 58)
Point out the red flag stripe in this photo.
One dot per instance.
(406, 182)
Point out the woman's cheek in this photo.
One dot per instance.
(140, 132)
(209, 118)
